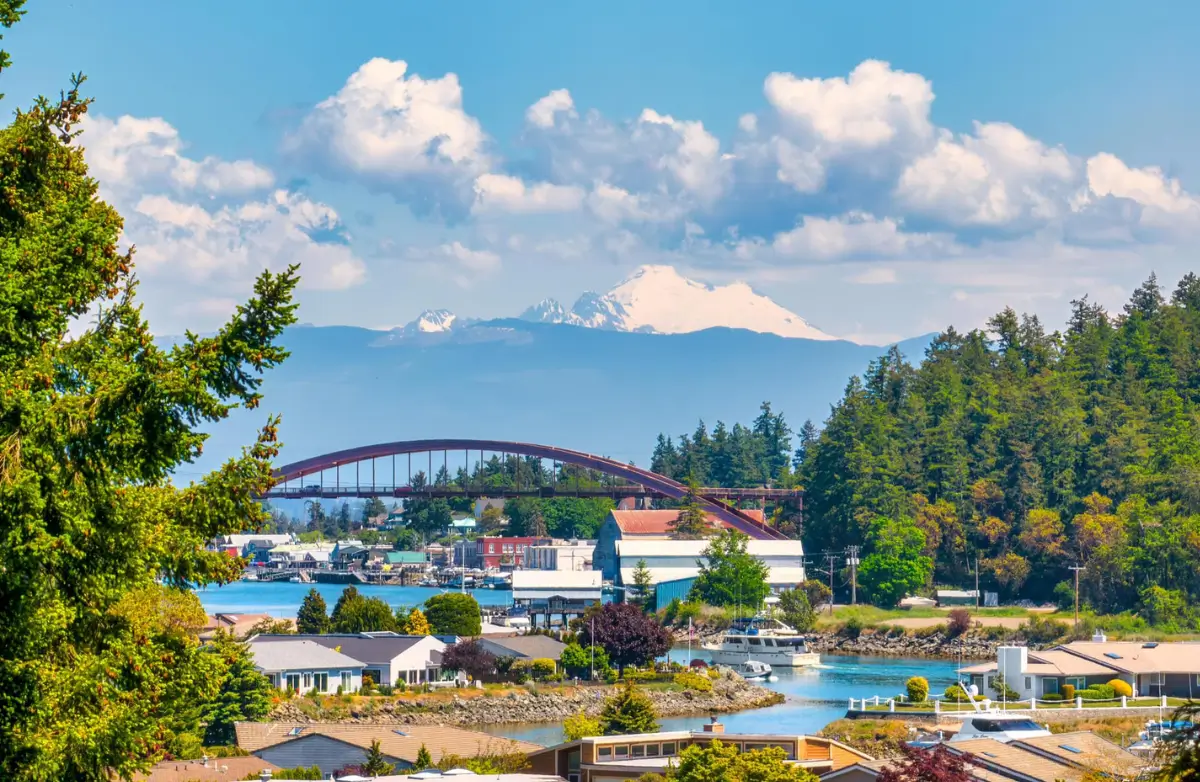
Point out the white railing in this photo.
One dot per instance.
(987, 704)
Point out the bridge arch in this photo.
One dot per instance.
(717, 506)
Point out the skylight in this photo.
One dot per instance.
(1069, 748)
(1112, 655)
(399, 733)
(990, 754)
(296, 731)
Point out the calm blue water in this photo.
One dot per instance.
(282, 599)
(815, 696)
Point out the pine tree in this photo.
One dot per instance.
(628, 711)
(642, 580)
(692, 522)
(424, 759)
(245, 694)
(312, 617)
(376, 765)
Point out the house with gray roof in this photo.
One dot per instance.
(304, 666)
(524, 647)
(388, 658)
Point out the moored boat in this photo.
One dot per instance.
(763, 639)
(753, 670)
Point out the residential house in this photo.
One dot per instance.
(453, 775)
(248, 545)
(391, 559)
(388, 658)
(1065, 756)
(672, 560)
(348, 554)
(297, 555)
(304, 665)
(622, 758)
(524, 647)
(640, 525)
(1151, 669)
(333, 746)
(440, 555)
(206, 770)
(492, 552)
(562, 555)
(236, 624)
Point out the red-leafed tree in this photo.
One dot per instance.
(469, 657)
(927, 765)
(628, 635)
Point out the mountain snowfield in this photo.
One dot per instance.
(656, 300)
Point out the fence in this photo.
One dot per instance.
(876, 703)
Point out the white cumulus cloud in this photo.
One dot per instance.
(503, 193)
(544, 110)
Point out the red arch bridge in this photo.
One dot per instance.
(388, 470)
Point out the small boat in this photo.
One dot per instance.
(996, 725)
(249, 577)
(753, 670)
(294, 579)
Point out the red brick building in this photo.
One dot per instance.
(493, 552)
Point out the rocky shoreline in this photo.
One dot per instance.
(535, 704)
(932, 646)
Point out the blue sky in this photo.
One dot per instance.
(211, 138)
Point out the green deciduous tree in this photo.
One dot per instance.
(628, 711)
(453, 613)
(94, 422)
(580, 726)
(722, 762)
(797, 612)
(354, 613)
(895, 565)
(728, 575)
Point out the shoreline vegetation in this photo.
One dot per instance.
(530, 703)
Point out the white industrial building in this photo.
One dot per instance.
(671, 560)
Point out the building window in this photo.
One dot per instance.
(293, 681)
(1049, 686)
(668, 748)
(1028, 683)
(651, 750)
(308, 681)
(321, 682)
(639, 750)
(604, 753)
(1078, 682)
(622, 751)
(347, 681)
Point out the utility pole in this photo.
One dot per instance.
(1077, 569)
(830, 557)
(852, 561)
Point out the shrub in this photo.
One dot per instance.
(1041, 630)
(1068, 692)
(542, 667)
(1087, 694)
(852, 628)
(1051, 697)
(959, 622)
(929, 632)
(694, 681)
(918, 689)
(1104, 691)
(1120, 688)
(956, 694)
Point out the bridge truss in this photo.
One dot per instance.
(389, 469)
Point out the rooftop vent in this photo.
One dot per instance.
(1099, 637)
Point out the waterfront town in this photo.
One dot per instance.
(504, 654)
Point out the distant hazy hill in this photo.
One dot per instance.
(607, 392)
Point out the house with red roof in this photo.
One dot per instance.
(638, 525)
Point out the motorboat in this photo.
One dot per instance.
(753, 670)
(764, 639)
(999, 726)
(1150, 739)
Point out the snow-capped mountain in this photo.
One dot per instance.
(431, 322)
(653, 300)
(657, 299)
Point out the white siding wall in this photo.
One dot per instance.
(308, 679)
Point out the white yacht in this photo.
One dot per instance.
(766, 640)
(998, 726)
(753, 670)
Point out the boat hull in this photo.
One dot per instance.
(775, 659)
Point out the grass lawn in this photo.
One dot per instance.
(872, 615)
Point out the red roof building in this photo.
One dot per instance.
(645, 524)
(492, 552)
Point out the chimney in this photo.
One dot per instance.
(713, 726)
(1099, 637)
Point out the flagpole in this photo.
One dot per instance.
(689, 662)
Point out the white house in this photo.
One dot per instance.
(671, 560)
(303, 666)
(389, 658)
(563, 555)
(1149, 668)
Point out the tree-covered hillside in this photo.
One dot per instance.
(1032, 451)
